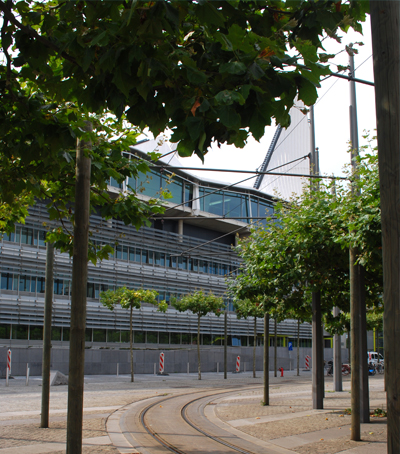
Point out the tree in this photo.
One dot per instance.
(304, 251)
(200, 304)
(250, 308)
(130, 299)
(208, 70)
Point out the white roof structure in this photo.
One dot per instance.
(287, 146)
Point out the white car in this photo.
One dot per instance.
(374, 357)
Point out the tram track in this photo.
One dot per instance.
(177, 442)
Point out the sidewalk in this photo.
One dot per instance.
(289, 424)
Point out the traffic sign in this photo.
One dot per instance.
(290, 346)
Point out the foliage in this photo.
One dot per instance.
(129, 298)
(306, 250)
(200, 303)
(249, 308)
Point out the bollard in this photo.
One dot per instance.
(155, 368)
(238, 364)
(307, 361)
(8, 368)
(188, 368)
(161, 368)
(117, 369)
(27, 374)
(217, 368)
(6, 376)
(281, 369)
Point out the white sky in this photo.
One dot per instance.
(331, 120)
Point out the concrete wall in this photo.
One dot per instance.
(104, 361)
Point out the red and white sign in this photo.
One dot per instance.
(9, 362)
(308, 358)
(161, 368)
(238, 364)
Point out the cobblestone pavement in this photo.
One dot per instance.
(288, 422)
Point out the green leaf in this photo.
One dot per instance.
(101, 39)
(256, 71)
(208, 14)
(229, 117)
(195, 126)
(185, 148)
(195, 76)
(227, 98)
(307, 92)
(235, 67)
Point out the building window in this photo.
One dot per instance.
(7, 281)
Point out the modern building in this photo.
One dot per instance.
(189, 247)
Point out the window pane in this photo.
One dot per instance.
(213, 202)
(139, 337)
(145, 255)
(65, 334)
(40, 284)
(35, 333)
(124, 336)
(24, 283)
(6, 281)
(26, 236)
(164, 338)
(254, 208)
(175, 187)
(233, 205)
(114, 183)
(151, 337)
(113, 335)
(175, 338)
(188, 195)
(33, 285)
(99, 335)
(55, 333)
(150, 182)
(185, 338)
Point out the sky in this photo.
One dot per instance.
(331, 119)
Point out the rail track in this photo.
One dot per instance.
(168, 423)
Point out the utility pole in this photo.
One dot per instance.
(385, 18)
(226, 343)
(266, 358)
(48, 306)
(359, 380)
(318, 384)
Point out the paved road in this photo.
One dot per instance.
(112, 405)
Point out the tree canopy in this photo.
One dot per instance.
(305, 250)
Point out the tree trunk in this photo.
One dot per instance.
(385, 17)
(78, 300)
(298, 347)
(275, 347)
(131, 341)
(337, 358)
(266, 359)
(364, 414)
(254, 347)
(198, 347)
(317, 353)
(48, 303)
(226, 344)
(355, 346)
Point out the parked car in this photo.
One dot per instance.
(374, 358)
